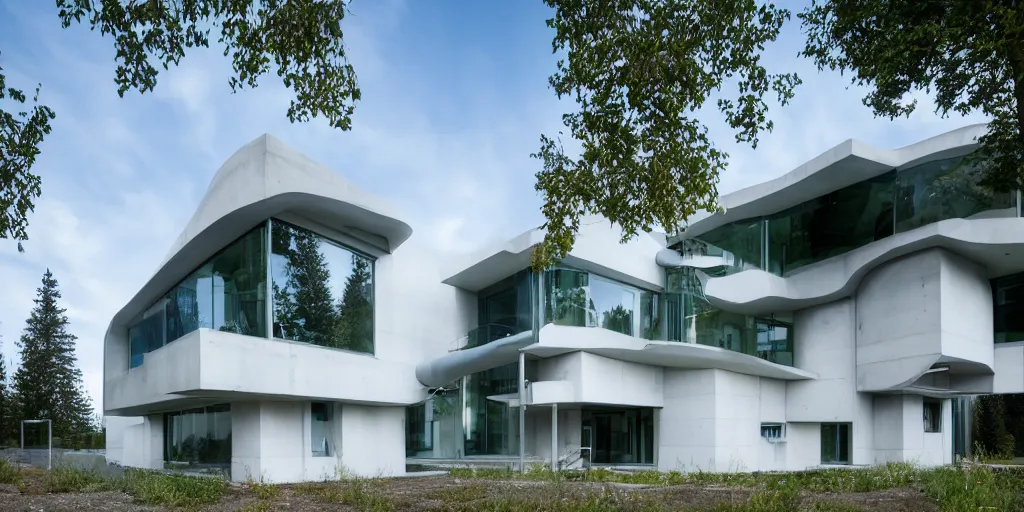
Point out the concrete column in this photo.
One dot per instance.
(522, 411)
(554, 437)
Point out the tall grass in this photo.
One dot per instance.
(9, 473)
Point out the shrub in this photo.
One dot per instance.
(9, 472)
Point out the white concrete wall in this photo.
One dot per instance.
(966, 310)
(1009, 367)
(143, 444)
(373, 440)
(711, 421)
(927, 307)
(601, 380)
(115, 431)
(824, 344)
(271, 442)
(803, 445)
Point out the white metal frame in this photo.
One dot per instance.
(49, 447)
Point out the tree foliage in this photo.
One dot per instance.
(301, 41)
(639, 71)
(9, 406)
(997, 426)
(22, 130)
(354, 330)
(969, 54)
(48, 381)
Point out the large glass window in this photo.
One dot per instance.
(1008, 308)
(491, 426)
(614, 305)
(566, 300)
(504, 309)
(581, 299)
(693, 319)
(832, 224)
(854, 216)
(228, 292)
(200, 436)
(323, 292)
(947, 189)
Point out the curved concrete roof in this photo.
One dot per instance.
(997, 244)
(263, 179)
(851, 162)
(599, 249)
(556, 340)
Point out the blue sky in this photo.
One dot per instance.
(455, 98)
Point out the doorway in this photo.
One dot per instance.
(619, 436)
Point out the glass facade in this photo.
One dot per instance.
(854, 216)
(200, 436)
(491, 427)
(700, 322)
(581, 299)
(1008, 308)
(227, 293)
(322, 292)
(504, 309)
(619, 436)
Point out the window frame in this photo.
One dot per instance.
(330, 239)
(932, 424)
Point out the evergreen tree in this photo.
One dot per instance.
(355, 311)
(48, 382)
(8, 404)
(306, 305)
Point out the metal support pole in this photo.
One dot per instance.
(522, 411)
(554, 437)
(23, 435)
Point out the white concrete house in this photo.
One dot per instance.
(834, 315)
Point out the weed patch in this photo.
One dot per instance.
(9, 473)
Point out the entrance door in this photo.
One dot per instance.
(619, 436)
(587, 445)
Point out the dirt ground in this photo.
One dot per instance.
(447, 493)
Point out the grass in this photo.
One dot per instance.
(9, 473)
(952, 489)
(145, 487)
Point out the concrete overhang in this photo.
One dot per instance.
(997, 244)
(851, 162)
(556, 340)
(218, 366)
(266, 178)
(598, 249)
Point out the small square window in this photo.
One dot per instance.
(932, 416)
(773, 432)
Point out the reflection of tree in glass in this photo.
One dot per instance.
(305, 307)
(618, 319)
(354, 329)
(570, 306)
(961, 192)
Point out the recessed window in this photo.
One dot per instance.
(322, 444)
(773, 432)
(835, 443)
(932, 416)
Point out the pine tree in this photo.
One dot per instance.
(307, 298)
(49, 383)
(8, 404)
(355, 311)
